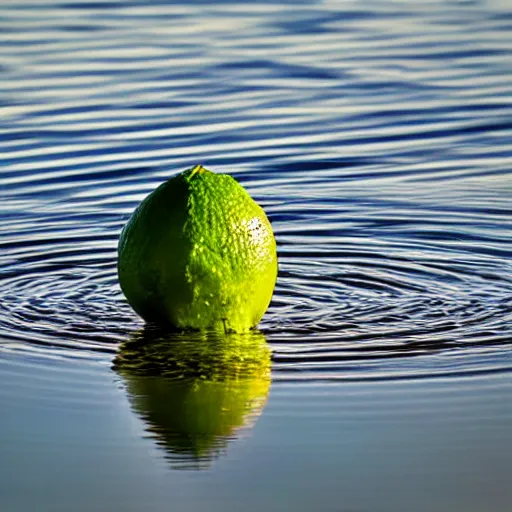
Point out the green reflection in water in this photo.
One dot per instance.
(195, 391)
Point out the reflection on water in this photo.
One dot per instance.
(195, 391)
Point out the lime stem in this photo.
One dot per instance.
(196, 170)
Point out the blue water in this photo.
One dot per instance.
(378, 138)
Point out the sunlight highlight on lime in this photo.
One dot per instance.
(199, 253)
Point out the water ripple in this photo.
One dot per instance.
(379, 144)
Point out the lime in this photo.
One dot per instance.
(199, 253)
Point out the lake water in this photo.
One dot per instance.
(378, 138)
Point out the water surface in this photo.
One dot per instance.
(377, 136)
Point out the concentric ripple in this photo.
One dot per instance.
(378, 144)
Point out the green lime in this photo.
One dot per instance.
(199, 253)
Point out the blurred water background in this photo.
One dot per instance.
(378, 138)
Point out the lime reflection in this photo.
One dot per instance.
(195, 391)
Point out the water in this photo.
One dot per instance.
(377, 136)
